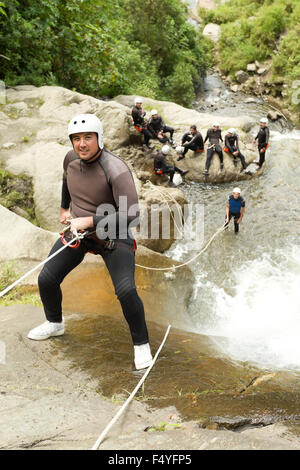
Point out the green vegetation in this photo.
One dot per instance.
(18, 295)
(103, 47)
(163, 427)
(16, 194)
(260, 30)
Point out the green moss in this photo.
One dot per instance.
(16, 191)
(9, 273)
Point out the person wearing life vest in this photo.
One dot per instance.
(138, 116)
(191, 140)
(214, 136)
(98, 195)
(158, 128)
(161, 167)
(232, 146)
(235, 208)
(262, 138)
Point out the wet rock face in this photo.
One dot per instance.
(165, 294)
(189, 373)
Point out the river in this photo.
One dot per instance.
(247, 287)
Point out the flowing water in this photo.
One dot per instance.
(247, 285)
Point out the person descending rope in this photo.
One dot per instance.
(158, 128)
(138, 116)
(161, 167)
(232, 146)
(262, 139)
(235, 208)
(95, 183)
(192, 140)
(214, 135)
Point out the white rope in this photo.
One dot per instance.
(116, 417)
(77, 237)
(190, 260)
(155, 188)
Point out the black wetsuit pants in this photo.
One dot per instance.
(164, 138)
(188, 147)
(120, 263)
(170, 170)
(236, 216)
(240, 156)
(147, 135)
(262, 156)
(210, 153)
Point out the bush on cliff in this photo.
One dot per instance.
(261, 30)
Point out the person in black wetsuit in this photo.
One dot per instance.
(232, 146)
(191, 140)
(158, 128)
(161, 167)
(214, 136)
(138, 116)
(235, 208)
(262, 138)
(98, 195)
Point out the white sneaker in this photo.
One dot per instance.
(142, 356)
(46, 330)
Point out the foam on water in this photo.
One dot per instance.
(260, 322)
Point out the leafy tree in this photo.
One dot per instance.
(103, 47)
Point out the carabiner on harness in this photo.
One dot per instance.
(67, 236)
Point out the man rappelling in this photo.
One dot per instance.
(94, 182)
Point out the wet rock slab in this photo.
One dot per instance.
(190, 374)
(60, 394)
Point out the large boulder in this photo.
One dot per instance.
(162, 212)
(212, 31)
(45, 112)
(20, 239)
(181, 118)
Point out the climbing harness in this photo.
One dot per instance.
(116, 417)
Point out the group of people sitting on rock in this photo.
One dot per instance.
(155, 128)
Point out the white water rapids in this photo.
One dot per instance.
(247, 291)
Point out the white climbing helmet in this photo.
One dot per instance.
(165, 150)
(179, 149)
(153, 112)
(216, 124)
(231, 131)
(86, 123)
(264, 120)
(138, 99)
(237, 190)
